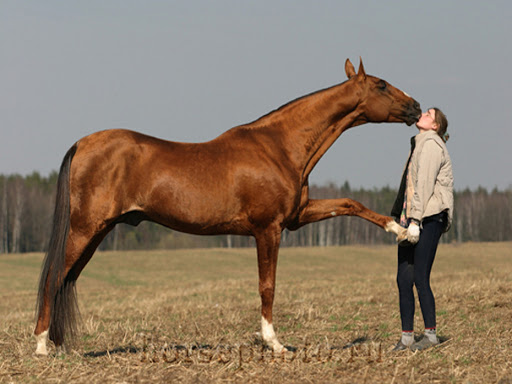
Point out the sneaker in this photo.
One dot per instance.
(400, 347)
(424, 343)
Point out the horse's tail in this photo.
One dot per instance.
(58, 289)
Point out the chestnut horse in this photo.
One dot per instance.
(252, 180)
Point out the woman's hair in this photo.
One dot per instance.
(442, 124)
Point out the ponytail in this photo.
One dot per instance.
(442, 124)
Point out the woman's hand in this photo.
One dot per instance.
(413, 233)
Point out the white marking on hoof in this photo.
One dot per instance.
(41, 344)
(397, 229)
(269, 336)
(402, 236)
(393, 227)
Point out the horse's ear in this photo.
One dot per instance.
(349, 69)
(361, 71)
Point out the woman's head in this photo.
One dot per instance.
(434, 119)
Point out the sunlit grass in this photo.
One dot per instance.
(139, 307)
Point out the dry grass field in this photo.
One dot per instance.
(193, 316)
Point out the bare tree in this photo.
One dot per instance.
(26, 209)
(4, 245)
(18, 205)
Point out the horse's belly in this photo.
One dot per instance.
(208, 214)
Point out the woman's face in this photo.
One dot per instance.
(427, 121)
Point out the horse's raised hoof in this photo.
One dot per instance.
(401, 238)
(400, 232)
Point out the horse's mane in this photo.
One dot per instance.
(262, 121)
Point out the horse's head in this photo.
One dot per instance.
(380, 101)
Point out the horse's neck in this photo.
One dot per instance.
(311, 124)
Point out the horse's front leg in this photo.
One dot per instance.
(316, 210)
(268, 248)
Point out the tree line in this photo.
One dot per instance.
(27, 203)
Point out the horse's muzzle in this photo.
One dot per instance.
(412, 113)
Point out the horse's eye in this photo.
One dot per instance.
(382, 85)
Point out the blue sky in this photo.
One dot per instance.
(190, 70)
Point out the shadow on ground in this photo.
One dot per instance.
(130, 349)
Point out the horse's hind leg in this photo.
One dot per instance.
(48, 304)
(60, 311)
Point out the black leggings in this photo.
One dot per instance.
(414, 266)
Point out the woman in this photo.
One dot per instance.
(425, 206)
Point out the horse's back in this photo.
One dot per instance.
(112, 138)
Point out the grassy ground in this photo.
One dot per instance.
(193, 316)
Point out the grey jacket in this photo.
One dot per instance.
(430, 180)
